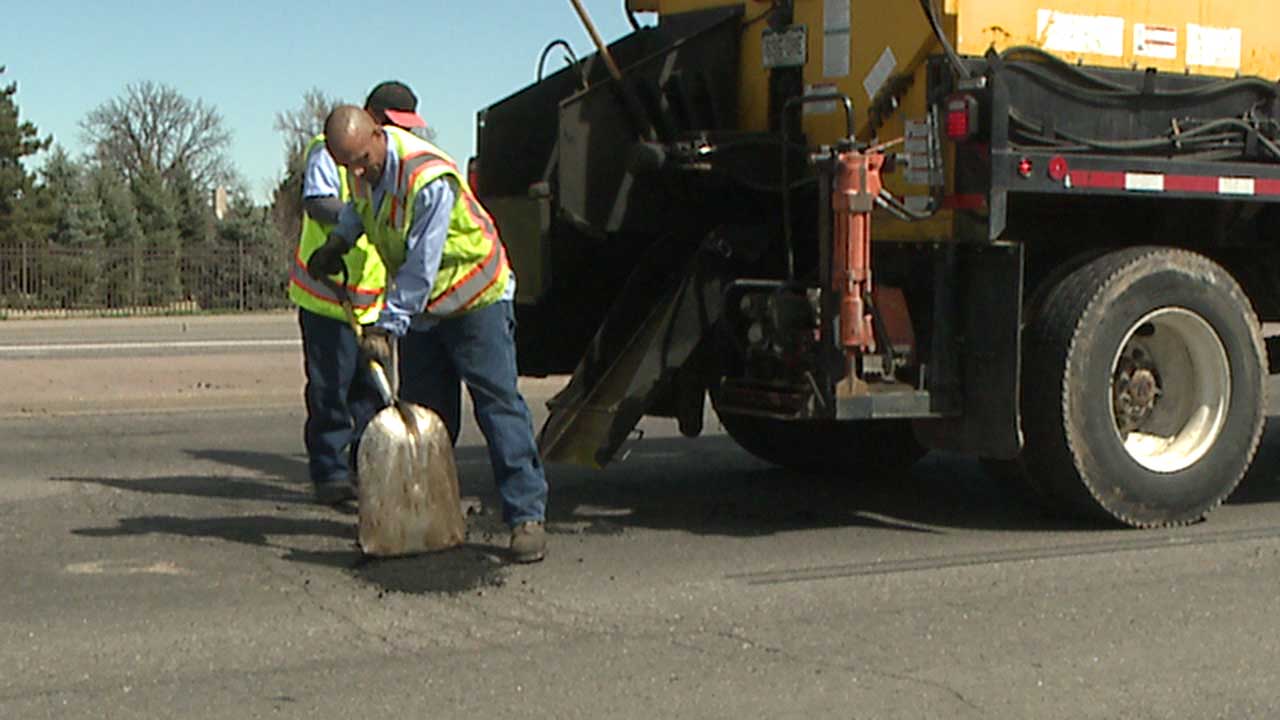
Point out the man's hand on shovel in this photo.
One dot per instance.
(375, 343)
(327, 259)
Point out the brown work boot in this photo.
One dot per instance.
(528, 542)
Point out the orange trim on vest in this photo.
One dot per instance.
(492, 281)
(480, 216)
(297, 258)
(480, 267)
(430, 164)
(326, 297)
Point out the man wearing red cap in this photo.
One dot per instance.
(393, 103)
(340, 394)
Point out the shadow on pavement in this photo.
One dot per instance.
(247, 529)
(302, 531)
(278, 478)
(287, 468)
(710, 486)
(703, 486)
(465, 568)
(204, 486)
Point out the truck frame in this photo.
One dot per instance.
(1058, 266)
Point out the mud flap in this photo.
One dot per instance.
(632, 361)
(977, 352)
(408, 490)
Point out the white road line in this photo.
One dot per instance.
(182, 344)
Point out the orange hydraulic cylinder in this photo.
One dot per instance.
(857, 183)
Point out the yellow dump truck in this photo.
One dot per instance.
(1041, 232)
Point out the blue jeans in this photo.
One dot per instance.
(341, 397)
(479, 348)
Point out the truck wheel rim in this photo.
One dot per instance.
(1170, 388)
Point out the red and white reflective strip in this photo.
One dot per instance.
(1140, 182)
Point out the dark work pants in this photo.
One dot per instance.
(479, 348)
(340, 396)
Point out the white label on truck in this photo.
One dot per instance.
(836, 32)
(1213, 47)
(880, 73)
(1235, 186)
(1144, 182)
(1092, 34)
(1155, 41)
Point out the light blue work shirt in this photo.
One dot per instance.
(409, 290)
(320, 178)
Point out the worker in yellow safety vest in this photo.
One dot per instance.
(450, 303)
(340, 394)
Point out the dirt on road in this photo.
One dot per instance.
(105, 384)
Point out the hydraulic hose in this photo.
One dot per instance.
(931, 13)
(542, 59)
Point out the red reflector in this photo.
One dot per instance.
(962, 117)
(1025, 167)
(1058, 168)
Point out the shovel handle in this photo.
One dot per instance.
(340, 289)
(380, 380)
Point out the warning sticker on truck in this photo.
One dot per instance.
(1213, 46)
(1091, 34)
(836, 38)
(1155, 41)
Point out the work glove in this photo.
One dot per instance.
(375, 343)
(327, 259)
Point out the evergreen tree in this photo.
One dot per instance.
(263, 274)
(195, 215)
(79, 224)
(17, 140)
(158, 217)
(123, 239)
(73, 266)
(22, 226)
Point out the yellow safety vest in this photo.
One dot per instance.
(473, 265)
(366, 274)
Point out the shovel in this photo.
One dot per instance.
(408, 480)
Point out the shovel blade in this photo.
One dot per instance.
(408, 489)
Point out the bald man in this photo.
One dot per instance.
(449, 301)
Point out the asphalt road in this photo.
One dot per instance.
(163, 561)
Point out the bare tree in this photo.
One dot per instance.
(152, 128)
(298, 126)
(302, 124)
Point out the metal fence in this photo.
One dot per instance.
(48, 281)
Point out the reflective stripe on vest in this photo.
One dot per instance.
(474, 267)
(364, 266)
(464, 293)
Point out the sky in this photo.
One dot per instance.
(253, 60)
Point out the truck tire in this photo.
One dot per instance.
(1143, 391)
(826, 446)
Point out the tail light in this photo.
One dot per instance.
(962, 117)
